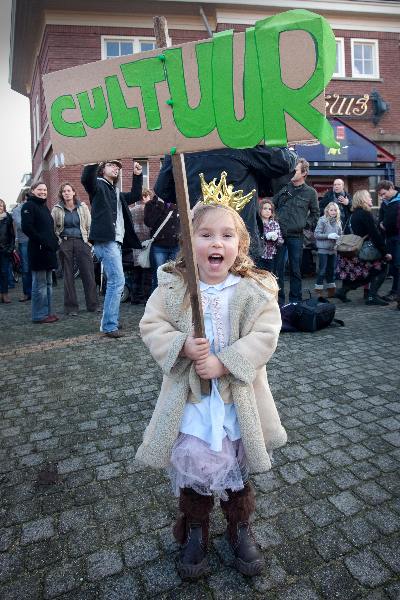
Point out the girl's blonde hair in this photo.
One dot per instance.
(270, 204)
(334, 205)
(361, 199)
(243, 265)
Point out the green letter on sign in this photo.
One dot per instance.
(64, 127)
(95, 116)
(248, 131)
(145, 74)
(278, 98)
(191, 122)
(121, 115)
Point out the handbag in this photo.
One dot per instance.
(143, 257)
(349, 245)
(368, 252)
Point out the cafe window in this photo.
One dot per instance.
(112, 47)
(364, 59)
(340, 70)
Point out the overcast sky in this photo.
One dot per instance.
(15, 155)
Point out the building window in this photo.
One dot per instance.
(364, 59)
(111, 47)
(340, 70)
(36, 123)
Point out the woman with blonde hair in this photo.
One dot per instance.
(355, 272)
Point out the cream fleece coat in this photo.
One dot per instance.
(85, 219)
(255, 325)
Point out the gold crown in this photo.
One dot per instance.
(223, 194)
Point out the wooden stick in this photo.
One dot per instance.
(185, 218)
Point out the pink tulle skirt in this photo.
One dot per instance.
(195, 465)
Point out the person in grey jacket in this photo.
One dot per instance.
(327, 232)
(296, 209)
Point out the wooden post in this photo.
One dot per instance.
(185, 218)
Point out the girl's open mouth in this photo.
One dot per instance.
(215, 259)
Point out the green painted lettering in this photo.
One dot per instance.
(145, 74)
(278, 98)
(198, 121)
(94, 116)
(122, 116)
(59, 123)
(248, 131)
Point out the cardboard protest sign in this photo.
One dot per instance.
(234, 90)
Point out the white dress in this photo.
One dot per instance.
(208, 455)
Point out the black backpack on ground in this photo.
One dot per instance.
(309, 315)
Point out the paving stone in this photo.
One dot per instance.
(322, 513)
(160, 577)
(293, 523)
(384, 519)
(334, 581)
(292, 473)
(267, 482)
(41, 529)
(103, 564)
(274, 576)
(344, 479)
(140, 550)
(330, 543)
(372, 493)
(266, 535)
(63, 578)
(298, 591)
(297, 557)
(389, 552)
(109, 471)
(359, 531)
(347, 503)
(120, 587)
(367, 568)
(6, 538)
(75, 518)
(25, 588)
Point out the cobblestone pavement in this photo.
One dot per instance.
(80, 520)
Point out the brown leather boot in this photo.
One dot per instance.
(237, 510)
(331, 292)
(191, 531)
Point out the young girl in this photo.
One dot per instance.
(327, 232)
(210, 443)
(272, 235)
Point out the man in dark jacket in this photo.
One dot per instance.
(37, 223)
(111, 229)
(296, 209)
(249, 169)
(389, 221)
(343, 200)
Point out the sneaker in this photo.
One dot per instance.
(375, 301)
(390, 297)
(113, 334)
(48, 319)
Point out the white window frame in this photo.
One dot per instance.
(145, 164)
(36, 122)
(341, 58)
(375, 56)
(124, 38)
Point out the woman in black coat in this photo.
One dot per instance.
(7, 240)
(37, 223)
(355, 272)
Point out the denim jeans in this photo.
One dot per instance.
(393, 247)
(42, 292)
(110, 254)
(268, 264)
(294, 247)
(26, 271)
(158, 256)
(326, 270)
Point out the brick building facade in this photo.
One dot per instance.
(47, 36)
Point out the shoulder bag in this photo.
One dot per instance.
(143, 258)
(349, 245)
